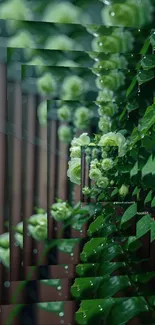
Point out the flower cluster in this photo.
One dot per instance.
(60, 42)
(73, 88)
(65, 133)
(37, 226)
(61, 211)
(65, 13)
(130, 13)
(64, 113)
(46, 84)
(119, 41)
(114, 139)
(82, 117)
(74, 170)
(14, 11)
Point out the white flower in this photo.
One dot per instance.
(75, 152)
(61, 211)
(95, 174)
(82, 140)
(46, 84)
(107, 163)
(102, 182)
(113, 139)
(64, 113)
(59, 42)
(64, 133)
(64, 13)
(74, 170)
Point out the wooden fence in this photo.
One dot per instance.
(33, 166)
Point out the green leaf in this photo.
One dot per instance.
(84, 288)
(111, 285)
(144, 76)
(99, 269)
(143, 225)
(134, 170)
(152, 230)
(101, 196)
(123, 312)
(135, 136)
(114, 192)
(133, 244)
(143, 278)
(52, 283)
(148, 197)
(88, 269)
(128, 215)
(94, 246)
(99, 223)
(93, 310)
(135, 191)
(148, 120)
(131, 106)
(78, 222)
(110, 252)
(148, 167)
(131, 87)
(55, 307)
(67, 245)
(152, 40)
(148, 62)
(153, 202)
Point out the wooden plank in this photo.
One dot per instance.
(29, 171)
(15, 211)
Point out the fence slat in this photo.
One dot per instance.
(29, 178)
(15, 211)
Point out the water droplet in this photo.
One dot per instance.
(59, 288)
(100, 308)
(61, 314)
(35, 251)
(112, 13)
(142, 136)
(7, 284)
(100, 44)
(84, 315)
(132, 55)
(72, 254)
(66, 267)
(139, 30)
